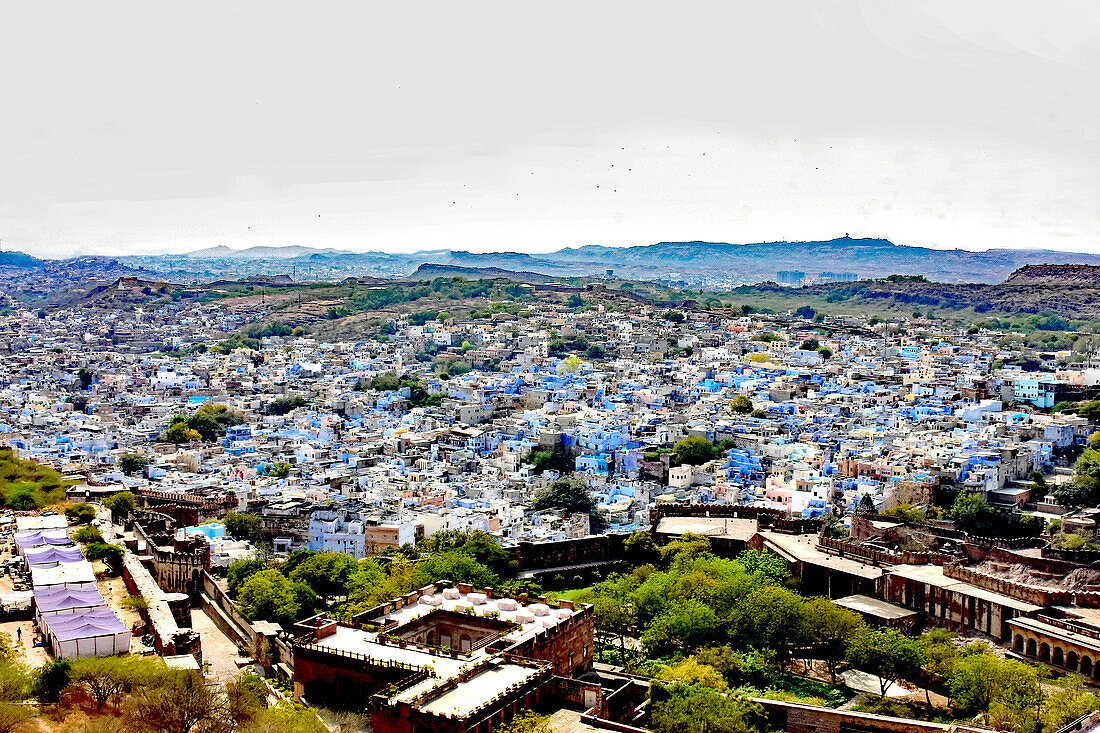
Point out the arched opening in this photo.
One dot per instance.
(1044, 652)
(1058, 657)
(1071, 660)
(464, 643)
(1031, 647)
(1018, 643)
(1086, 665)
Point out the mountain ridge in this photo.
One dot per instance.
(700, 263)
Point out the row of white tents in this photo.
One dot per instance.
(68, 607)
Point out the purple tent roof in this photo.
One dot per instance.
(85, 625)
(49, 554)
(53, 599)
(34, 539)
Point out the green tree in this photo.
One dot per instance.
(683, 625)
(526, 721)
(283, 405)
(241, 526)
(693, 450)
(484, 547)
(82, 513)
(111, 555)
(766, 563)
(741, 405)
(15, 680)
(285, 717)
(1084, 489)
(1067, 704)
(691, 671)
(459, 567)
(684, 708)
(939, 654)
(640, 549)
(613, 617)
(569, 365)
(120, 504)
(180, 702)
(296, 558)
(50, 680)
(327, 573)
(688, 545)
(887, 653)
(180, 434)
(810, 344)
(974, 677)
(239, 571)
(245, 697)
(973, 514)
(555, 459)
(87, 534)
(909, 514)
(104, 679)
(279, 470)
(569, 494)
(131, 463)
(268, 595)
(830, 628)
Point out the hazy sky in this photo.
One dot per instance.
(150, 127)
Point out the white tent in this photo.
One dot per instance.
(97, 633)
(56, 521)
(63, 575)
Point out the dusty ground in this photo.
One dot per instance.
(114, 593)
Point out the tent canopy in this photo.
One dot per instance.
(52, 554)
(95, 633)
(85, 624)
(56, 599)
(25, 540)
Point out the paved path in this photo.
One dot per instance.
(219, 654)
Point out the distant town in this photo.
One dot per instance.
(483, 504)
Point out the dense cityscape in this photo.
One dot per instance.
(484, 504)
(619, 367)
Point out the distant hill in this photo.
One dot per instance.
(696, 264)
(692, 262)
(255, 253)
(20, 260)
(431, 271)
(866, 258)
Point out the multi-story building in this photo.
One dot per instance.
(358, 534)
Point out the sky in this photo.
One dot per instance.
(140, 128)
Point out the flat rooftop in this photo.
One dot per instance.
(875, 607)
(804, 548)
(734, 528)
(469, 696)
(933, 575)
